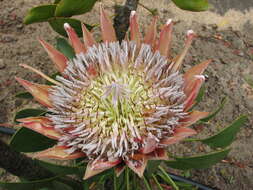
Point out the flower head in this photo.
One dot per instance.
(117, 104)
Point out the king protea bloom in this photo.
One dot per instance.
(117, 104)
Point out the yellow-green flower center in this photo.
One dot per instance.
(115, 100)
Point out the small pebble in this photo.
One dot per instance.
(19, 26)
(11, 9)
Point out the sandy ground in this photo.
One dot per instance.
(225, 35)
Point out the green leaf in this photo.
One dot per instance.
(61, 186)
(200, 94)
(40, 14)
(212, 115)
(63, 46)
(21, 140)
(192, 5)
(28, 113)
(121, 182)
(225, 137)
(127, 178)
(56, 1)
(68, 8)
(57, 25)
(198, 162)
(167, 178)
(59, 169)
(29, 185)
(24, 95)
(157, 182)
(146, 183)
(26, 140)
(152, 166)
(199, 97)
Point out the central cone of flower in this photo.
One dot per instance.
(115, 100)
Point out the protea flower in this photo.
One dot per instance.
(117, 104)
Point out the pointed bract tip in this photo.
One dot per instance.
(169, 21)
(22, 81)
(133, 13)
(22, 65)
(40, 40)
(107, 30)
(202, 77)
(190, 32)
(66, 26)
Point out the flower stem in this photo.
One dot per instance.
(114, 181)
(127, 179)
(134, 182)
(168, 179)
(157, 182)
(146, 183)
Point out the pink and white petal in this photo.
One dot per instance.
(119, 169)
(195, 70)
(192, 118)
(74, 40)
(108, 32)
(158, 154)
(164, 41)
(135, 34)
(150, 145)
(89, 172)
(49, 132)
(179, 59)
(39, 92)
(191, 95)
(180, 133)
(189, 76)
(104, 165)
(137, 166)
(40, 119)
(87, 37)
(151, 33)
(57, 57)
(59, 153)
